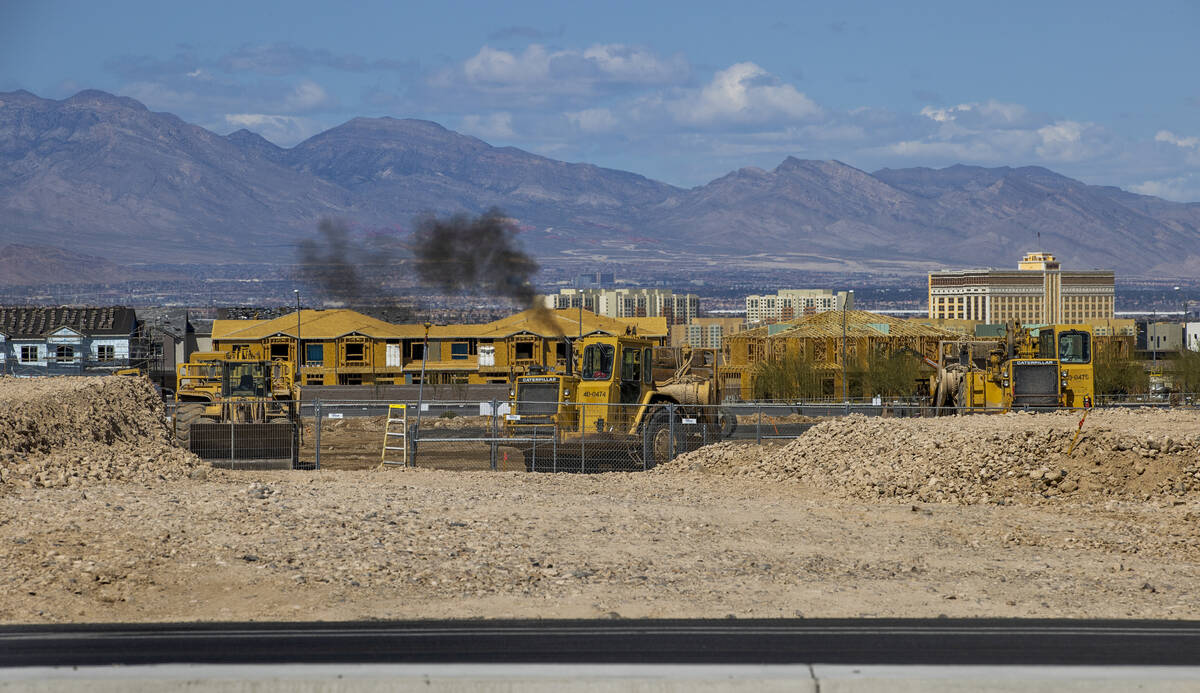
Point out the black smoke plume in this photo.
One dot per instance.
(477, 255)
(352, 272)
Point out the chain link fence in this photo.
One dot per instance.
(247, 434)
(493, 436)
(588, 438)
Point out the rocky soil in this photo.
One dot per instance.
(845, 521)
(1001, 458)
(73, 431)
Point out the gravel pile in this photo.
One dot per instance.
(67, 431)
(977, 459)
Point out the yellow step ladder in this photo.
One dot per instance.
(397, 416)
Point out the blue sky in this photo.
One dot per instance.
(1108, 92)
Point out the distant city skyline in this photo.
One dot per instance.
(681, 92)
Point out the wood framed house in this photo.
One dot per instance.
(344, 347)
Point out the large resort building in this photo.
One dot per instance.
(1039, 291)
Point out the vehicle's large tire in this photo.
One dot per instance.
(186, 414)
(727, 422)
(656, 438)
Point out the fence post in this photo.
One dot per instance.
(232, 442)
(554, 447)
(670, 435)
(582, 436)
(758, 425)
(495, 433)
(316, 434)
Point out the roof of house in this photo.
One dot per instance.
(31, 322)
(313, 324)
(332, 324)
(858, 323)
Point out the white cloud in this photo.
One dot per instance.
(490, 126)
(633, 65)
(283, 130)
(593, 120)
(991, 112)
(490, 66)
(306, 96)
(1177, 140)
(562, 71)
(999, 133)
(1068, 140)
(204, 99)
(743, 93)
(1185, 188)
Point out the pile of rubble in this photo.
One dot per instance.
(977, 458)
(75, 430)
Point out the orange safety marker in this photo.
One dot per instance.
(1078, 431)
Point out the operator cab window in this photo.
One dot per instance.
(1074, 347)
(1046, 344)
(597, 362)
(631, 364)
(245, 380)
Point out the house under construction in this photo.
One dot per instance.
(818, 341)
(344, 347)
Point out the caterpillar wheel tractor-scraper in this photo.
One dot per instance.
(631, 405)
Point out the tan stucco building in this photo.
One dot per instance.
(1039, 291)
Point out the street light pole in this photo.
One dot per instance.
(420, 394)
(299, 354)
(845, 390)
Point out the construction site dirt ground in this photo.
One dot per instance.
(735, 530)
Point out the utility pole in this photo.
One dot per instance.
(845, 386)
(299, 354)
(420, 394)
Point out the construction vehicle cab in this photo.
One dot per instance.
(232, 387)
(1047, 366)
(619, 397)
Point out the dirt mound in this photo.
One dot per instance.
(979, 458)
(72, 430)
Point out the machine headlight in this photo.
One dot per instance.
(1064, 374)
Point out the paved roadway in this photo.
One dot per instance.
(726, 642)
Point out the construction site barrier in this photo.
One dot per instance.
(491, 436)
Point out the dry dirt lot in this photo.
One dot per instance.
(856, 518)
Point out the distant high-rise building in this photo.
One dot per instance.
(790, 304)
(1039, 291)
(678, 309)
(594, 280)
(705, 332)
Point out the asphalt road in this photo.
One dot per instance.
(840, 641)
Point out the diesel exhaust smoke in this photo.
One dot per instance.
(478, 255)
(349, 271)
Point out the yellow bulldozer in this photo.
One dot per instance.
(622, 398)
(1040, 367)
(233, 387)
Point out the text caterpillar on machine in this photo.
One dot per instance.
(1036, 367)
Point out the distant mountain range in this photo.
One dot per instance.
(102, 175)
